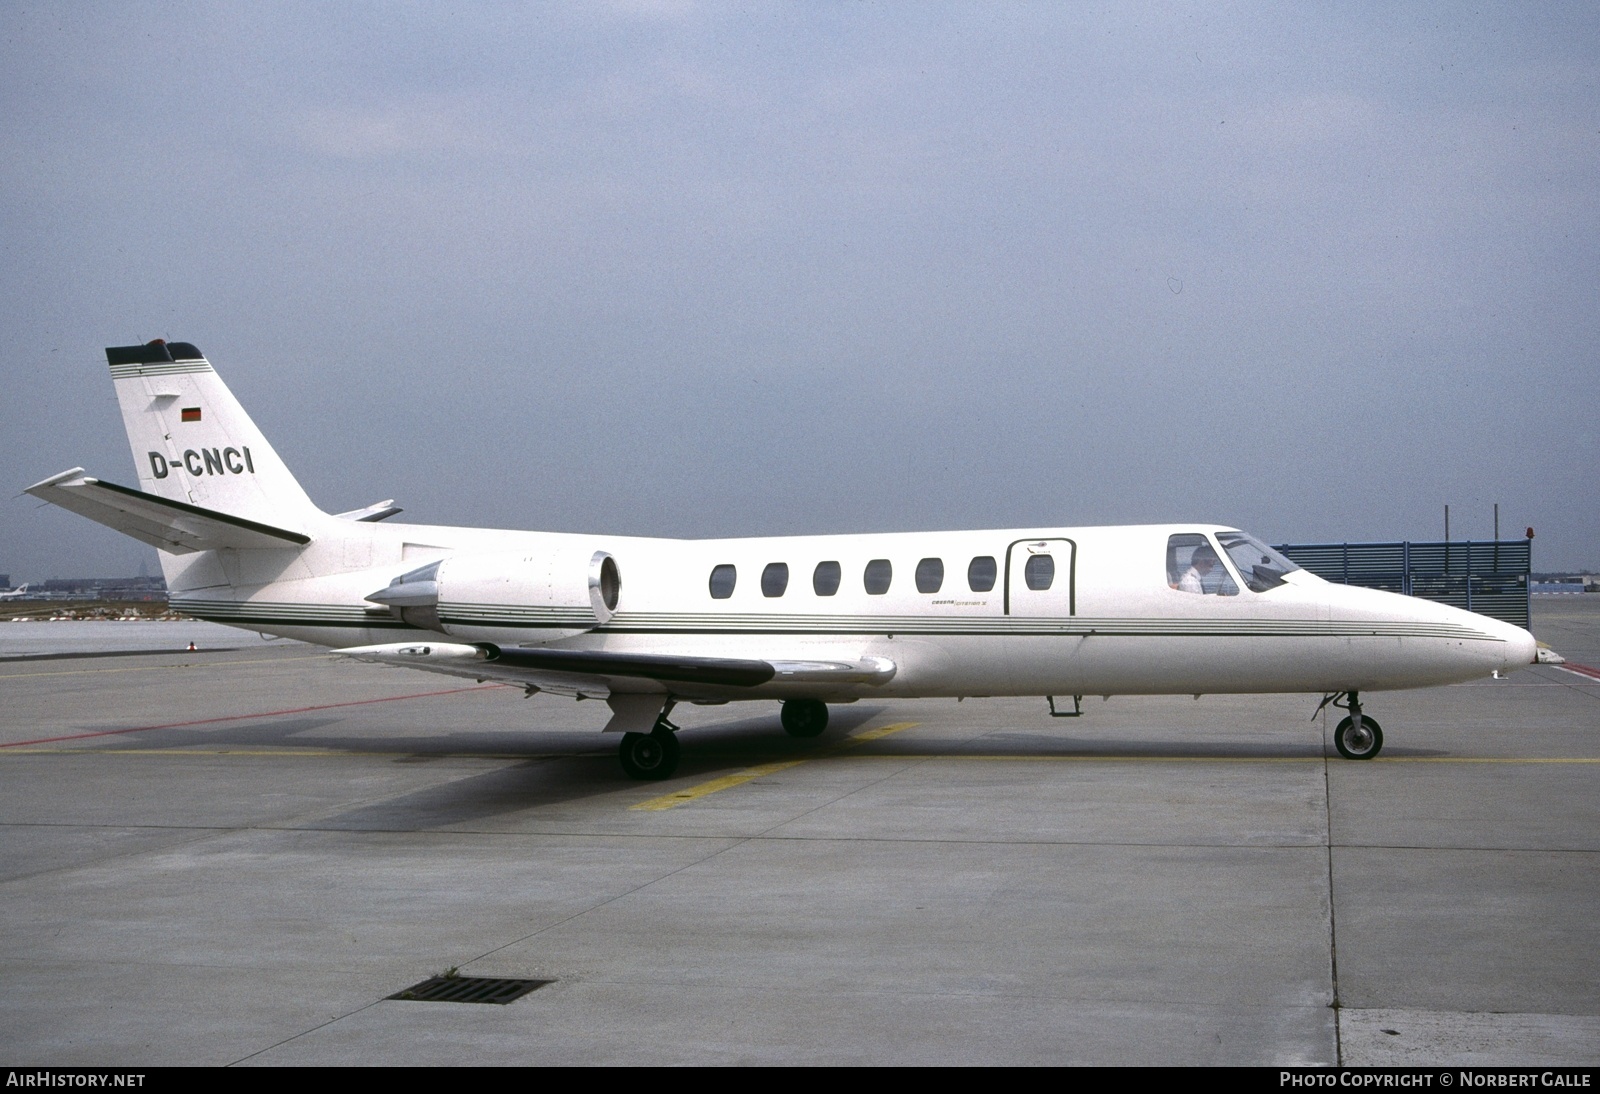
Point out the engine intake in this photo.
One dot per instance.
(527, 598)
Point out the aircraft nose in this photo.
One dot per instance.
(1508, 646)
(1518, 647)
(1521, 647)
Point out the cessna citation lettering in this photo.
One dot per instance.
(804, 620)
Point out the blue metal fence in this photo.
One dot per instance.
(1486, 577)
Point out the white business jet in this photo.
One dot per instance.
(807, 620)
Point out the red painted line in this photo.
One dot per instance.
(247, 717)
(1581, 670)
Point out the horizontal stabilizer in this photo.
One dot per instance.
(382, 510)
(169, 525)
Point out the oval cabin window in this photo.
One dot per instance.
(877, 576)
(825, 578)
(775, 579)
(981, 573)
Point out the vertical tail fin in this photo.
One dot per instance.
(192, 442)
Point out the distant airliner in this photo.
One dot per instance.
(15, 594)
(807, 620)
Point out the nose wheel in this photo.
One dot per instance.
(1357, 737)
(1358, 742)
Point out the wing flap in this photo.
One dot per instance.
(591, 671)
(169, 525)
(458, 659)
(724, 671)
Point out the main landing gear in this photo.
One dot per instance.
(1357, 737)
(805, 717)
(652, 755)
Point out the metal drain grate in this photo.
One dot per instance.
(469, 989)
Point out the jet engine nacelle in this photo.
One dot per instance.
(527, 599)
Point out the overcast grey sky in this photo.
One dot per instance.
(703, 269)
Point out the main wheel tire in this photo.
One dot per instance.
(649, 755)
(805, 717)
(1358, 746)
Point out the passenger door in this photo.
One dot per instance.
(1039, 578)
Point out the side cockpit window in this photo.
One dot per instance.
(1260, 566)
(1193, 567)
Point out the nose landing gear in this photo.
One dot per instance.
(1356, 737)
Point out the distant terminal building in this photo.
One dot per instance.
(1557, 588)
(103, 588)
(1489, 577)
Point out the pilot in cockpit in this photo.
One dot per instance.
(1201, 563)
(1204, 572)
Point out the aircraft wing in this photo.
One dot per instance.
(598, 673)
(169, 525)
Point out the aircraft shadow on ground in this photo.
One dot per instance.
(759, 734)
(589, 770)
(552, 768)
(560, 766)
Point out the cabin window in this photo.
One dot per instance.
(723, 578)
(930, 575)
(775, 579)
(1193, 567)
(877, 576)
(825, 578)
(981, 573)
(1039, 572)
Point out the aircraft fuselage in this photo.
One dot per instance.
(1107, 623)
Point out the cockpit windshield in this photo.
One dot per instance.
(1261, 567)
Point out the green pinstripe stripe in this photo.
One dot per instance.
(227, 611)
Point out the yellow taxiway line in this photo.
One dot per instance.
(694, 793)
